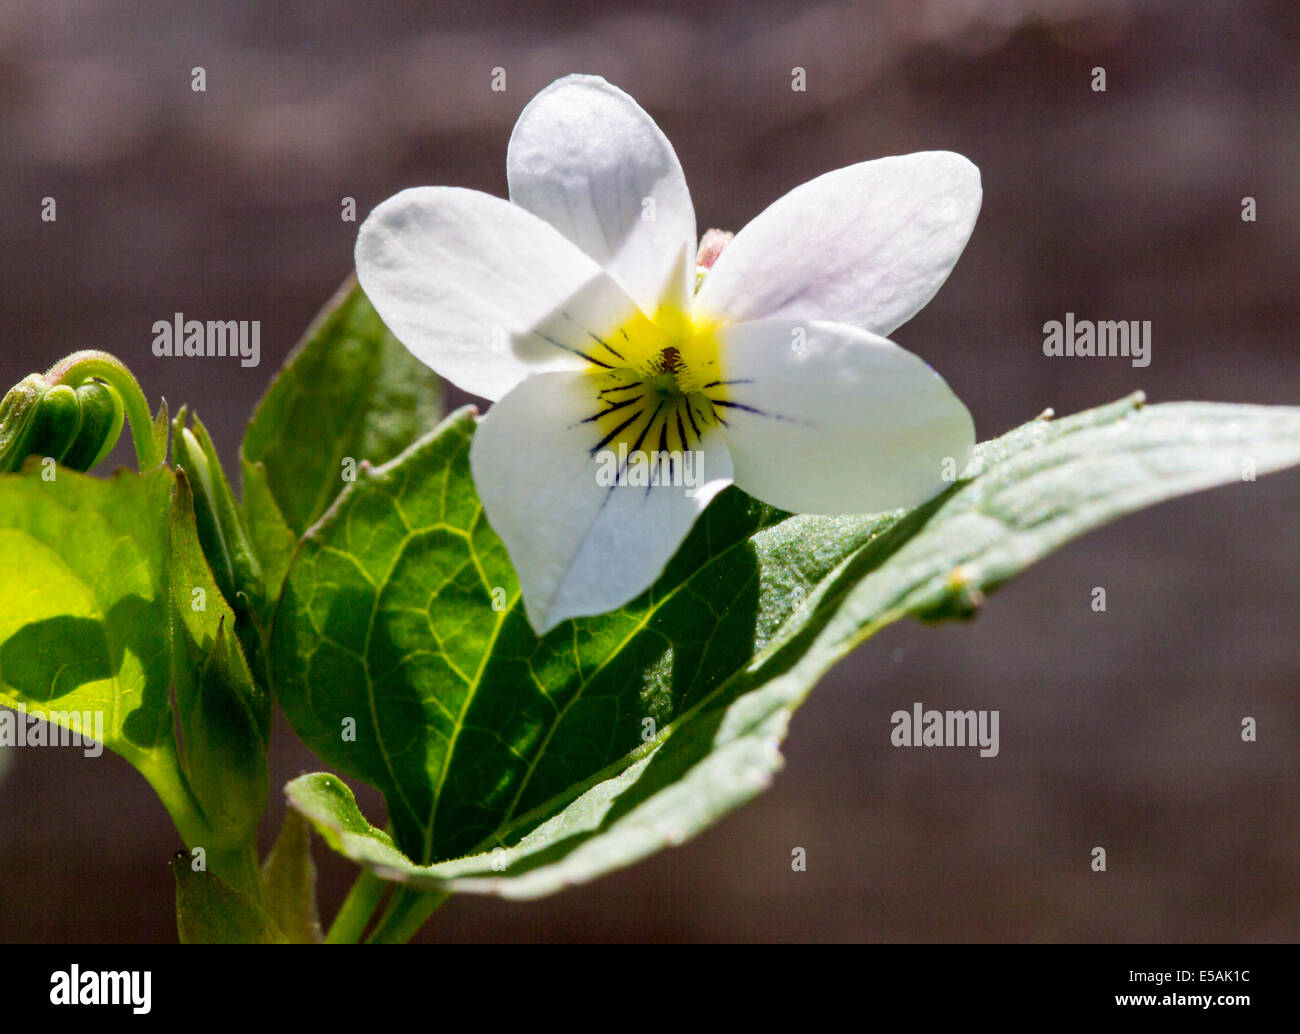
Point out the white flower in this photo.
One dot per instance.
(572, 307)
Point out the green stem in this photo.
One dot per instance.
(357, 908)
(406, 913)
(239, 867)
(80, 367)
(236, 864)
(169, 783)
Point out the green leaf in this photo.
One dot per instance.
(289, 876)
(159, 429)
(96, 620)
(224, 716)
(84, 606)
(273, 540)
(481, 736)
(210, 911)
(349, 390)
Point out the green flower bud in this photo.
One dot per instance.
(77, 427)
(55, 422)
(188, 455)
(16, 411)
(102, 417)
(36, 420)
(225, 540)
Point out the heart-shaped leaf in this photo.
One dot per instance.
(517, 766)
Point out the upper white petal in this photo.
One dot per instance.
(579, 547)
(826, 418)
(866, 245)
(482, 291)
(586, 158)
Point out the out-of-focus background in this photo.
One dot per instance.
(1119, 729)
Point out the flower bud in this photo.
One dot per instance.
(102, 417)
(17, 413)
(711, 246)
(77, 427)
(54, 423)
(225, 541)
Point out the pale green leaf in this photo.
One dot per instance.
(84, 611)
(289, 877)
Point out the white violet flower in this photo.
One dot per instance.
(625, 399)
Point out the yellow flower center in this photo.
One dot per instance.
(661, 386)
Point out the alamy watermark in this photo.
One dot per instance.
(73, 986)
(1103, 338)
(215, 338)
(654, 469)
(84, 729)
(921, 728)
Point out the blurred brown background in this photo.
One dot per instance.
(1118, 729)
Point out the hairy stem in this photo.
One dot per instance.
(406, 913)
(80, 367)
(235, 863)
(357, 909)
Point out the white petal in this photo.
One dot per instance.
(579, 547)
(482, 291)
(586, 158)
(826, 418)
(866, 245)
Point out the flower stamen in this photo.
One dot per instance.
(657, 391)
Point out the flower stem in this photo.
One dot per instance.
(235, 863)
(80, 367)
(169, 783)
(406, 913)
(354, 914)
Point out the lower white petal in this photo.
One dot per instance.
(580, 546)
(482, 291)
(826, 418)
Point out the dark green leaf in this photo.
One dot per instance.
(349, 391)
(210, 911)
(273, 540)
(614, 736)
